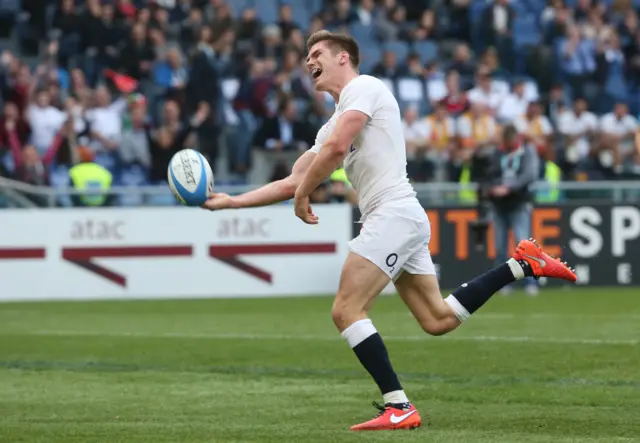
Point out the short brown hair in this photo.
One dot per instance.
(337, 42)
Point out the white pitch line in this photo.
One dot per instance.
(290, 337)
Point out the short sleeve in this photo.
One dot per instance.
(360, 95)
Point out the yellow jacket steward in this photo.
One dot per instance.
(93, 180)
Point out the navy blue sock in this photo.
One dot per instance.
(474, 294)
(373, 355)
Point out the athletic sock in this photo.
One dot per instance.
(469, 297)
(368, 346)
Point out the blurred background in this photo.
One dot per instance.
(97, 95)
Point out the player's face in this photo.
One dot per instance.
(322, 64)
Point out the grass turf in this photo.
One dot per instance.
(559, 368)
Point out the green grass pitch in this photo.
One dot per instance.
(563, 367)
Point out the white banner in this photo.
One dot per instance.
(178, 252)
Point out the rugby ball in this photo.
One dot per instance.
(190, 177)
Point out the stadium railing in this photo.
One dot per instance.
(15, 194)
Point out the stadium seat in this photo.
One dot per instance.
(369, 56)
(411, 91)
(237, 6)
(301, 14)
(268, 10)
(363, 34)
(427, 50)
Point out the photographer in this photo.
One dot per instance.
(511, 197)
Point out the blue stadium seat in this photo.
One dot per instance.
(301, 15)
(369, 56)
(314, 6)
(401, 49)
(268, 10)
(363, 34)
(428, 50)
(237, 6)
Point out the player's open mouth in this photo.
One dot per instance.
(315, 73)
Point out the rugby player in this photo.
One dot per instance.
(365, 134)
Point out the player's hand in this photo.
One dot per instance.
(303, 210)
(218, 201)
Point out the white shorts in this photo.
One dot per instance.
(395, 237)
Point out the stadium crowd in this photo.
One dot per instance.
(126, 83)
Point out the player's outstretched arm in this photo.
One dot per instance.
(274, 192)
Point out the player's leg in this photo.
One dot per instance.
(418, 286)
(375, 259)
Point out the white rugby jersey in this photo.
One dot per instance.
(376, 164)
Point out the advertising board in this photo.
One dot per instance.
(601, 241)
(170, 252)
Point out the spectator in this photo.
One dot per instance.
(412, 67)
(514, 105)
(11, 118)
(440, 131)
(271, 43)
(67, 27)
(455, 100)
(171, 75)
(427, 27)
(285, 132)
(461, 62)
(137, 55)
(618, 130)
(486, 92)
(415, 132)
(105, 121)
(388, 67)
(135, 146)
(29, 165)
(45, 121)
(191, 28)
(476, 130)
(497, 30)
(285, 21)
(535, 128)
(248, 29)
(394, 25)
(511, 198)
(578, 127)
(366, 12)
(342, 14)
(578, 60)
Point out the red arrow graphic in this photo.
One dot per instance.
(22, 253)
(229, 254)
(83, 257)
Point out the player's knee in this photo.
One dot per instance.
(343, 315)
(340, 316)
(437, 327)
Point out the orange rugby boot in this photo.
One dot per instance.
(391, 417)
(542, 264)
